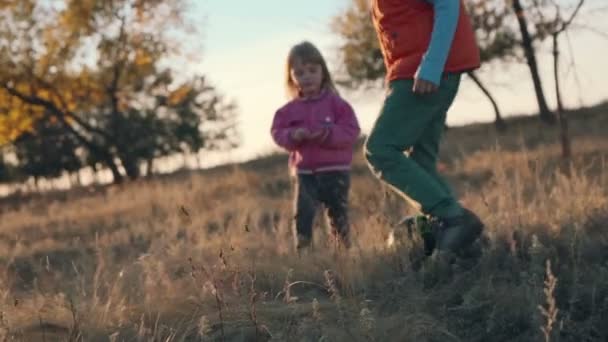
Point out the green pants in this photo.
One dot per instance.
(403, 145)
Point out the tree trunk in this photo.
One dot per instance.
(98, 151)
(199, 162)
(117, 177)
(79, 178)
(545, 113)
(500, 124)
(185, 161)
(131, 167)
(75, 180)
(561, 115)
(94, 175)
(150, 167)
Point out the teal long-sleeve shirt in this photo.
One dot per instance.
(446, 14)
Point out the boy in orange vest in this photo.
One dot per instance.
(427, 45)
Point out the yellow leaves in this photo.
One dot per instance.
(19, 7)
(143, 58)
(78, 96)
(141, 11)
(8, 4)
(18, 114)
(78, 15)
(16, 122)
(86, 49)
(85, 86)
(179, 94)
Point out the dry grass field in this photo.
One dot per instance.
(207, 255)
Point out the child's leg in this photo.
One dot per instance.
(306, 203)
(406, 120)
(334, 188)
(426, 151)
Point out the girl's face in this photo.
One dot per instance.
(308, 77)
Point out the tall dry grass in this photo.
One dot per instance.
(208, 256)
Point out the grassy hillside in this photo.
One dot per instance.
(207, 256)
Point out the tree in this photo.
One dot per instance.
(96, 69)
(360, 51)
(554, 27)
(46, 151)
(496, 40)
(530, 54)
(6, 170)
(362, 58)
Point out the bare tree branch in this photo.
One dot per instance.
(569, 21)
(38, 101)
(573, 65)
(33, 100)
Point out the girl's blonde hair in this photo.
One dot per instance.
(306, 52)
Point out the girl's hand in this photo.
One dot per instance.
(300, 134)
(422, 87)
(318, 134)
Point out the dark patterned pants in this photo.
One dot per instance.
(329, 189)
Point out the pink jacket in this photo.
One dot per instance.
(328, 112)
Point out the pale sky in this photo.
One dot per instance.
(246, 42)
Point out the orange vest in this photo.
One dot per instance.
(404, 29)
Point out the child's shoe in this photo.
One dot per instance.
(455, 234)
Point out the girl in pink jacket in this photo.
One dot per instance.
(319, 129)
